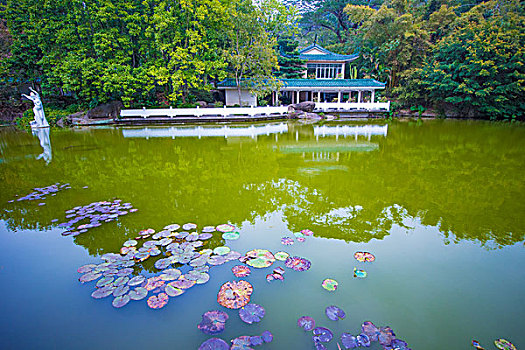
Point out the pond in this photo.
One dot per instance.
(439, 204)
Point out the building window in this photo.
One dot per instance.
(324, 70)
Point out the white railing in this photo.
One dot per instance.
(350, 106)
(212, 131)
(200, 112)
(346, 130)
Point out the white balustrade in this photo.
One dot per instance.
(200, 112)
(350, 106)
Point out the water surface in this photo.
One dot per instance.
(440, 204)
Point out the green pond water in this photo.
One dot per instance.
(440, 204)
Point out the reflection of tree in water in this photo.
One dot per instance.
(466, 178)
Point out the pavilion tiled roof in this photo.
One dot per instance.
(320, 83)
(327, 56)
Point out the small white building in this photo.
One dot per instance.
(324, 81)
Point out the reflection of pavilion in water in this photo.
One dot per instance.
(207, 131)
(331, 141)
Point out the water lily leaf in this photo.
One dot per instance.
(364, 256)
(192, 237)
(120, 290)
(359, 273)
(153, 283)
(173, 291)
(213, 322)
(307, 232)
(130, 243)
(334, 313)
(138, 293)
(252, 313)
(104, 281)
(267, 336)
(189, 226)
(208, 229)
(165, 241)
(158, 301)
(225, 228)
(135, 281)
(287, 240)
(125, 272)
(281, 256)
(297, 263)
(385, 337)
(504, 344)
(260, 258)
(103, 292)
(241, 271)
(370, 330)
(86, 268)
(232, 255)
(214, 344)
(90, 276)
(398, 344)
(205, 236)
(170, 274)
(330, 284)
(172, 227)
(221, 250)
(241, 343)
(363, 340)
(120, 301)
(279, 270)
(183, 283)
(306, 322)
(235, 294)
(232, 235)
(181, 235)
(349, 341)
(121, 281)
(322, 334)
(256, 340)
(161, 264)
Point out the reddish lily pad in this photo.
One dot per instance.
(252, 313)
(267, 336)
(287, 240)
(241, 271)
(371, 330)
(158, 301)
(307, 232)
(235, 294)
(364, 256)
(297, 263)
(306, 322)
(153, 283)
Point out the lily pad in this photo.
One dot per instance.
(349, 341)
(86, 268)
(192, 237)
(235, 294)
(213, 322)
(121, 281)
(330, 284)
(232, 236)
(189, 226)
(364, 256)
(104, 281)
(153, 283)
(135, 281)
(158, 301)
(371, 330)
(307, 232)
(281, 256)
(241, 343)
(183, 283)
(121, 301)
(363, 340)
(252, 313)
(205, 236)
(172, 227)
(260, 258)
(256, 340)
(386, 336)
(161, 264)
(241, 271)
(398, 344)
(279, 270)
(297, 263)
(225, 228)
(173, 291)
(214, 344)
(90, 276)
(232, 255)
(322, 334)
(120, 290)
(334, 313)
(221, 250)
(170, 274)
(287, 240)
(300, 239)
(267, 336)
(130, 243)
(102, 292)
(208, 229)
(298, 235)
(359, 273)
(138, 293)
(504, 344)
(306, 322)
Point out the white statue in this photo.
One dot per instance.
(40, 118)
(45, 142)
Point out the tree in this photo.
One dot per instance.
(479, 66)
(290, 65)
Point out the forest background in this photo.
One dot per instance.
(464, 57)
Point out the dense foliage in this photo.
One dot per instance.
(464, 58)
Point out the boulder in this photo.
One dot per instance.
(107, 110)
(307, 106)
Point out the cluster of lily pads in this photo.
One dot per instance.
(40, 193)
(174, 248)
(502, 344)
(96, 213)
(369, 333)
(299, 237)
(362, 257)
(244, 342)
